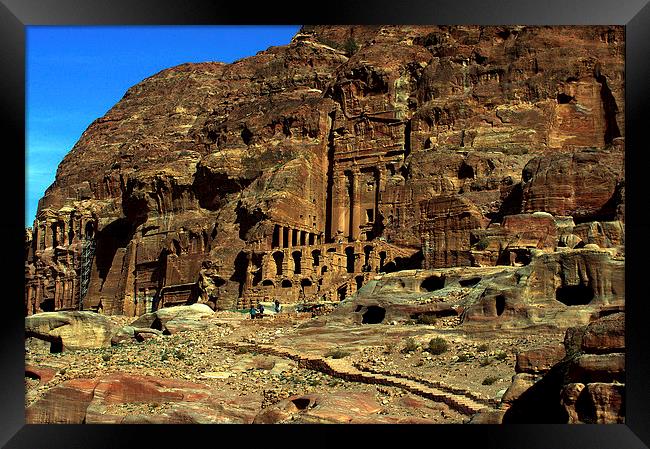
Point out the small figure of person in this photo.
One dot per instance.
(253, 312)
(277, 306)
(261, 309)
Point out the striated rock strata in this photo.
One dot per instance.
(303, 171)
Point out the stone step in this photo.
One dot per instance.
(440, 385)
(344, 369)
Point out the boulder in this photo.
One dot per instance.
(607, 403)
(587, 368)
(583, 387)
(70, 330)
(605, 335)
(171, 320)
(539, 360)
(520, 383)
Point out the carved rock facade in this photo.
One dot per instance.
(300, 171)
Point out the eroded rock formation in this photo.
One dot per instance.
(586, 385)
(304, 170)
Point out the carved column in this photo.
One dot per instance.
(356, 205)
(339, 220)
(28, 306)
(48, 235)
(57, 294)
(249, 276)
(287, 268)
(36, 235)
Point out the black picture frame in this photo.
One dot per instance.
(15, 15)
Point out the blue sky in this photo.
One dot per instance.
(76, 74)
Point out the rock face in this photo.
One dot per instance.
(302, 171)
(127, 399)
(586, 386)
(559, 289)
(70, 330)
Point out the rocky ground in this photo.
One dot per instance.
(221, 355)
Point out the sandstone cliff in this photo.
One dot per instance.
(301, 171)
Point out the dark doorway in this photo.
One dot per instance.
(469, 282)
(359, 280)
(349, 252)
(373, 315)
(500, 303)
(305, 283)
(276, 237)
(90, 230)
(432, 283)
(287, 283)
(574, 295)
(278, 257)
(285, 237)
(56, 346)
(47, 305)
(297, 255)
(315, 254)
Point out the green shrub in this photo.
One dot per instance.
(426, 319)
(483, 347)
(389, 348)
(350, 46)
(164, 357)
(501, 356)
(463, 358)
(490, 380)
(437, 345)
(337, 353)
(106, 357)
(241, 350)
(486, 361)
(411, 345)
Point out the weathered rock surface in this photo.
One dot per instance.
(70, 330)
(539, 360)
(559, 289)
(128, 399)
(581, 388)
(299, 172)
(605, 335)
(318, 409)
(175, 319)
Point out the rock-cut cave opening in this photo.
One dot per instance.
(301, 403)
(56, 346)
(373, 315)
(432, 283)
(574, 295)
(500, 303)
